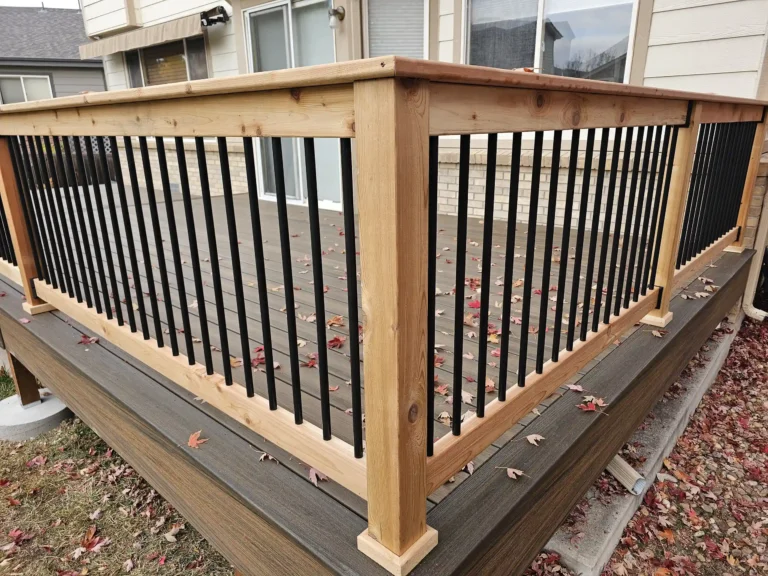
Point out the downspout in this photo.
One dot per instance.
(757, 263)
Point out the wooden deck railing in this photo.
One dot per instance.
(674, 177)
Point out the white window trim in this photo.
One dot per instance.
(24, 88)
(539, 28)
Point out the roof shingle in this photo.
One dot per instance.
(37, 34)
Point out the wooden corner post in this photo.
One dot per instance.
(682, 165)
(17, 226)
(749, 186)
(392, 139)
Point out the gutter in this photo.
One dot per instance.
(757, 262)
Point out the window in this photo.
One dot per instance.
(395, 27)
(576, 38)
(165, 63)
(24, 88)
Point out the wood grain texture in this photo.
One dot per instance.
(24, 381)
(312, 112)
(453, 452)
(675, 211)
(464, 109)
(334, 458)
(262, 517)
(492, 525)
(392, 158)
(712, 112)
(10, 271)
(17, 227)
(749, 181)
(699, 264)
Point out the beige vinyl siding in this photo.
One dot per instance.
(711, 46)
(114, 72)
(104, 16)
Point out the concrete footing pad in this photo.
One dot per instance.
(18, 423)
(604, 523)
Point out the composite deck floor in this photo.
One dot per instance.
(335, 285)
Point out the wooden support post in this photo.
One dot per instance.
(22, 243)
(391, 127)
(749, 186)
(682, 164)
(25, 382)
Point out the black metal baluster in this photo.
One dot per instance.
(640, 286)
(726, 164)
(64, 186)
(36, 213)
(135, 272)
(58, 195)
(431, 288)
(606, 229)
(88, 246)
(461, 252)
(160, 250)
(565, 243)
(592, 252)
(285, 249)
(656, 203)
(26, 207)
(704, 186)
(354, 322)
(237, 276)
(509, 261)
(663, 210)
(144, 242)
(628, 223)
(261, 275)
(538, 143)
(691, 198)
(485, 274)
(573, 312)
(548, 241)
(617, 227)
(118, 309)
(194, 256)
(638, 216)
(57, 276)
(173, 235)
(118, 244)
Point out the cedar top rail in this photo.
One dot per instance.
(395, 108)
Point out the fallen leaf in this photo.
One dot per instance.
(195, 441)
(316, 476)
(534, 439)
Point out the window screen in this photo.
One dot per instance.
(396, 27)
(165, 63)
(196, 61)
(37, 88)
(11, 90)
(134, 69)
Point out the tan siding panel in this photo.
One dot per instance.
(665, 5)
(740, 84)
(710, 57)
(729, 20)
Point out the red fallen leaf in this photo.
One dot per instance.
(537, 291)
(18, 536)
(333, 388)
(2, 294)
(439, 360)
(311, 361)
(587, 407)
(13, 502)
(258, 349)
(195, 441)
(38, 460)
(496, 352)
(474, 304)
(88, 339)
(316, 476)
(469, 379)
(442, 390)
(336, 342)
(161, 561)
(4, 482)
(25, 320)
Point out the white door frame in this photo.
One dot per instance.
(298, 149)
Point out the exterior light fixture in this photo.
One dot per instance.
(335, 15)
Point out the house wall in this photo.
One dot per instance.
(64, 81)
(707, 46)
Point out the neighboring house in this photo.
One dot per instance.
(39, 55)
(702, 45)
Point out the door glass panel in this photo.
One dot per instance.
(586, 38)
(269, 50)
(313, 44)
